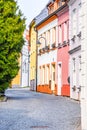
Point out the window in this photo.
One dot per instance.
(65, 31)
(60, 34)
(54, 35)
(51, 9)
(60, 3)
(74, 22)
(79, 18)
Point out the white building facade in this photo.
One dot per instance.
(47, 56)
(25, 82)
(84, 66)
(75, 48)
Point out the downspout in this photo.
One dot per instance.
(36, 55)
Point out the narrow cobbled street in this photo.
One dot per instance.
(27, 110)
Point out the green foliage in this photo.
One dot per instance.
(12, 25)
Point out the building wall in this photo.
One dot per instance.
(32, 57)
(62, 54)
(75, 48)
(84, 66)
(47, 60)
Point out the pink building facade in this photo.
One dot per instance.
(63, 87)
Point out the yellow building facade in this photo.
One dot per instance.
(32, 42)
(16, 82)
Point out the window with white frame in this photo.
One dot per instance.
(74, 21)
(65, 31)
(59, 3)
(54, 35)
(60, 34)
(79, 18)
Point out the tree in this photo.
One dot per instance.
(12, 25)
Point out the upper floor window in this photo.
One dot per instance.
(60, 34)
(51, 9)
(65, 31)
(48, 37)
(60, 3)
(74, 22)
(79, 18)
(54, 35)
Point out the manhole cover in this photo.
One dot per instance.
(39, 127)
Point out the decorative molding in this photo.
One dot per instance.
(79, 88)
(53, 45)
(73, 38)
(59, 45)
(75, 49)
(43, 49)
(74, 88)
(47, 48)
(64, 43)
(79, 34)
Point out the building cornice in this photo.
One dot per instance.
(75, 49)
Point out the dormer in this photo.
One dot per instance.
(50, 6)
(60, 3)
(53, 5)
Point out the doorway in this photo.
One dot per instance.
(59, 78)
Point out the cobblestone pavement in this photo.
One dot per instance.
(26, 110)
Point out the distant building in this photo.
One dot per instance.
(22, 78)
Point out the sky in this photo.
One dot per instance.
(31, 8)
